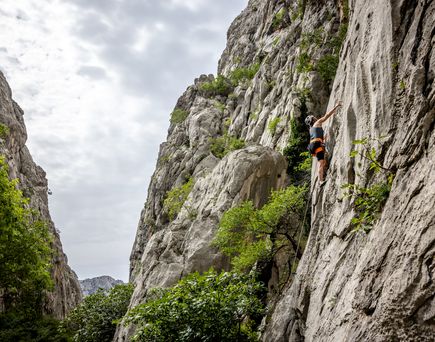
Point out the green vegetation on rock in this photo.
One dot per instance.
(225, 144)
(249, 235)
(25, 257)
(178, 116)
(95, 319)
(25, 249)
(208, 307)
(368, 202)
(239, 75)
(295, 151)
(176, 197)
(16, 326)
(326, 65)
(219, 86)
(4, 131)
(278, 18)
(273, 124)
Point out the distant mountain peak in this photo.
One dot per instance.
(91, 285)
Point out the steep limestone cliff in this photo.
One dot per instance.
(66, 293)
(348, 286)
(375, 287)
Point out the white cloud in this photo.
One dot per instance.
(97, 81)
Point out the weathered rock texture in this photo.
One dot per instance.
(92, 285)
(348, 287)
(32, 182)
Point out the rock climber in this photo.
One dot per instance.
(317, 141)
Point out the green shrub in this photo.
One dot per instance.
(208, 307)
(178, 116)
(239, 75)
(4, 131)
(327, 67)
(278, 18)
(337, 41)
(176, 197)
(309, 39)
(345, 4)
(369, 202)
(95, 319)
(328, 63)
(402, 85)
(276, 41)
(294, 151)
(219, 106)
(304, 63)
(272, 125)
(25, 249)
(221, 146)
(15, 327)
(249, 235)
(306, 163)
(219, 86)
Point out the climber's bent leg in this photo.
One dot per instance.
(322, 165)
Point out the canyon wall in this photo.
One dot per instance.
(66, 293)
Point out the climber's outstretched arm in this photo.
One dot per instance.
(327, 115)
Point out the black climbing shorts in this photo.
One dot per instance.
(320, 155)
(317, 149)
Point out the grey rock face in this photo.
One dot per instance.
(32, 182)
(92, 285)
(165, 251)
(348, 287)
(375, 287)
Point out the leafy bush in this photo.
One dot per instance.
(369, 202)
(306, 163)
(25, 250)
(278, 18)
(15, 326)
(273, 124)
(95, 319)
(221, 146)
(244, 74)
(208, 307)
(304, 63)
(328, 63)
(249, 235)
(219, 106)
(312, 38)
(295, 148)
(176, 197)
(219, 86)
(337, 41)
(327, 67)
(4, 131)
(178, 116)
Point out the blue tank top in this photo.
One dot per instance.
(316, 132)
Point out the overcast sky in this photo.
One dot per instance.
(97, 80)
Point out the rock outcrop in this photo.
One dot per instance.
(32, 181)
(92, 285)
(348, 287)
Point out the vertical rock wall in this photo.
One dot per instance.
(379, 286)
(66, 293)
(165, 250)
